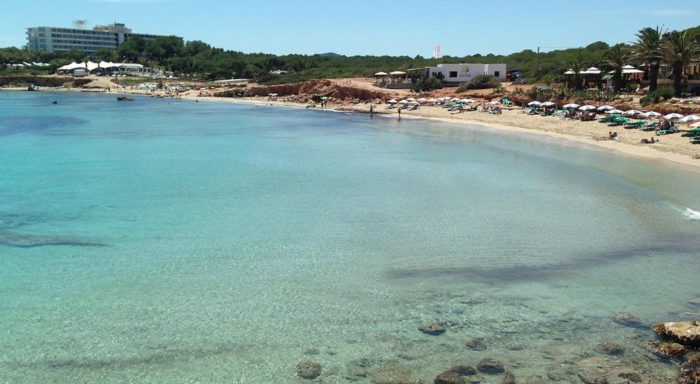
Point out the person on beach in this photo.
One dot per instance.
(399, 113)
(371, 110)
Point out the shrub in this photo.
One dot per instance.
(427, 84)
(665, 93)
(480, 82)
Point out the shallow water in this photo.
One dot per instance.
(169, 241)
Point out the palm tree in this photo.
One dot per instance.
(679, 49)
(615, 59)
(576, 66)
(649, 49)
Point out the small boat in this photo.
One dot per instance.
(32, 87)
(125, 98)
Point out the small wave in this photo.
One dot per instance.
(691, 215)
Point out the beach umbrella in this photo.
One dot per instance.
(631, 112)
(422, 100)
(494, 102)
(547, 104)
(534, 103)
(586, 108)
(392, 101)
(397, 73)
(455, 99)
(651, 114)
(672, 116)
(605, 108)
(689, 119)
(381, 74)
(571, 105)
(611, 111)
(432, 100)
(411, 99)
(403, 102)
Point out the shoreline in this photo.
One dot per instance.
(669, 158)
(590, 134)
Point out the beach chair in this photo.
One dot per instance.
(669, 131)
(608, 118)
(618, 121)
(695, 140)
(651, 126)
(634, 124)
(695, 132)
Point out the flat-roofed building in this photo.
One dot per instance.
(89, 41)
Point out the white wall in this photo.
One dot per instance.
(466, 72)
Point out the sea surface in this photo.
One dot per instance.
(168, 241)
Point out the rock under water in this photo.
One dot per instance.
(30, 241)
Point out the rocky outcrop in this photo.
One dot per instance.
(309, 370)
(668, 350)
(308, 90)
(593, 377)
(463, 370)
(686, 333)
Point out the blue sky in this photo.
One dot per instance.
(362, 27)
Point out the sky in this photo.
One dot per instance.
(362, 27)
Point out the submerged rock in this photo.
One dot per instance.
(434, 328)
(449, 377)
(392, 373)
(464, 370)
(358, 369)
(508, 379)
(534, 380)
(689, 374)
(309, 370)
(628, 320)
(555, 376)
(668, 350)
(593, 377)
(610, 348)
(490, 366)
(627, 377)
(476, 344)
(683, 332)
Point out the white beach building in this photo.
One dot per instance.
(464, 73)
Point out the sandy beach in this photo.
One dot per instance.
(673, 149)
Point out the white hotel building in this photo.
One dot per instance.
(89, 41)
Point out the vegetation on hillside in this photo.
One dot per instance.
(197, 59)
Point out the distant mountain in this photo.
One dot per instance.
(329, 54)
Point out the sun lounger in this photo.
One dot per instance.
(618, 121)
(692, 133)
(669, 131)
(650, 126)
(634, 124)
(695, 140)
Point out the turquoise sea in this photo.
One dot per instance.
(168, 241)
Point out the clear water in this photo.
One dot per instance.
(167, 241)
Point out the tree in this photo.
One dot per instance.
(105, 54)
(614, 59)
(649, 50)
(576, 66)
(132, 49)
(679, 49)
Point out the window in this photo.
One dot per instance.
(497, 74)
(453, 73)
